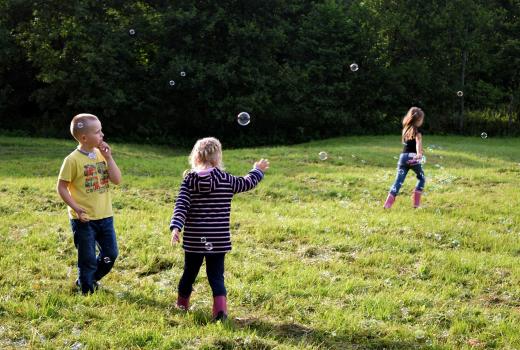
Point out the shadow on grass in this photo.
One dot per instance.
(297, 334)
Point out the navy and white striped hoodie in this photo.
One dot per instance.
(203, 207)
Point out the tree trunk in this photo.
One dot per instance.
(462, 76)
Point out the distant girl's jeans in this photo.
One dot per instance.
(402, 170)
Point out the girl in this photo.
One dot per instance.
(202, 208)
(410, 157)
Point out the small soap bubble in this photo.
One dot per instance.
(203, 239)
(107, 260)
(172, 82)
(323, 155)
(76, 346)
(460, 93)
(208, 246)
(455, 243)
(80, 125)
(401, 172)
(131, 32)
(420, 334)
(243, 118)
(354, 67)
(405, 311)
(483, 135)
(183, 74)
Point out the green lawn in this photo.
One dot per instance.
(317, 263)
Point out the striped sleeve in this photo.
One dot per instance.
(246, 183)
(182, 206)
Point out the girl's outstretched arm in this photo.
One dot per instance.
(248, 182)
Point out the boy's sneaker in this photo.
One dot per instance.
(96, 284)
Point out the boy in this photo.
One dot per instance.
(84, 186)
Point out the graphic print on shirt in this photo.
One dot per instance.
(96, 177)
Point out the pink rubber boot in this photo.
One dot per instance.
(219, 308)
(389, 201)
(416, 198)
(183, 303)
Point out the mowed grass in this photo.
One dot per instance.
(316, 264)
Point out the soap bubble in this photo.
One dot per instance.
(107, 260)
(323, 155)
(354, 67)
(131, 32)
(203, 239)
(420, 334)
(483, 135)
(183, 74)
(172, 82)
(209, 246)
(460, 93)
(243, 118)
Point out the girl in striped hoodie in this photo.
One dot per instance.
(202, 209)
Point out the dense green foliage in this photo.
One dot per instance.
(284, 61)
(316, 262)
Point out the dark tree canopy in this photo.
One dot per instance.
(286, 62)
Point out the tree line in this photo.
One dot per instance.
(168, 71)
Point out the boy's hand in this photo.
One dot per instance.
(105, 149)
(175, 236)
(82, 214)
(262, 164)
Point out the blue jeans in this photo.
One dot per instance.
(87, 235)
(214, 270)
(402, 170)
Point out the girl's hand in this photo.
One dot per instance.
(175, 236)
(262, 165)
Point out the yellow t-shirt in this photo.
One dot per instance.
(88, 184)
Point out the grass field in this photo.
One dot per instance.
(316, 264)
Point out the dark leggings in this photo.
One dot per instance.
(214, 270)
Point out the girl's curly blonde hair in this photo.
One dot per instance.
(207, 152)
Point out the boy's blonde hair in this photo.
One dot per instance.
(207, 151)
(80, 124)
(410, 122)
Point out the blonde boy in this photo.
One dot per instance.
(84, 185)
